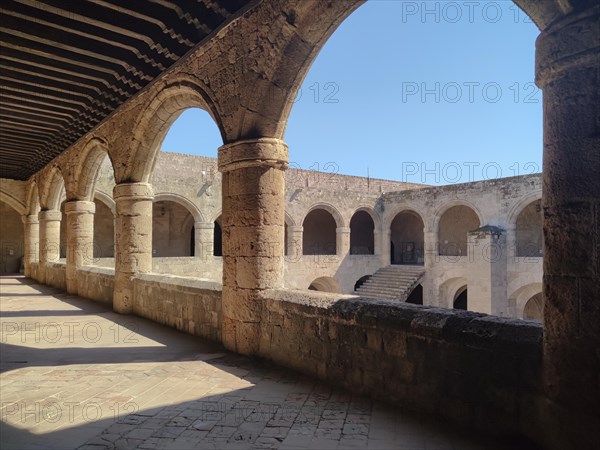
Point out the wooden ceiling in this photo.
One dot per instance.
(65, 65)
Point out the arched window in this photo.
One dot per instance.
(454, 227)
(319, 236)
(529, 230)
(407, 236)
(362, 238)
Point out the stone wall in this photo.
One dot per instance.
(96, 283)
(56, 275)
(189, 305)
(466, 367)
(11, 239)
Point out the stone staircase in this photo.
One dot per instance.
(394, 282)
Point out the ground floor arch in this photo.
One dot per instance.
(325, 284)
(534, 308)
(461, 299)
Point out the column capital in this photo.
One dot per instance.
(30, 219)
(264, 152)
(80, 206)
(572, 42)
(295, 228)
(342, 230)
(133, 191)
(204, 225)
(50, 216)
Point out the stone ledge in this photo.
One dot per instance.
(461, 327)
(98, 269)
(178, 281)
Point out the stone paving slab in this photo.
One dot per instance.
(74, 375)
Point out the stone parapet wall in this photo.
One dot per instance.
(189, 305)
(466, 367)
(56, 275)
(206, 268)
(96, 283)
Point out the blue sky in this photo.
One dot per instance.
(433, 92)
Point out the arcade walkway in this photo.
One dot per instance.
(76, 375)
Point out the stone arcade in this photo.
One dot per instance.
(244, 66)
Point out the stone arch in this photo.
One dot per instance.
(435, 220)
(529, 234)
(90, 160)
(407, 236)
(107, 200)
(453, 225)
(52, 187)
(519, 206)
(181, 200)
(32, 198)
(325, 284)
(313, 26)
(319, 236)
(335, 213)
(362, 280)
(534, 308)
(153, 124)
(522, 295)
(168, 217)
(450, 289)
(461, 298)
(14, 203)
(362, 232)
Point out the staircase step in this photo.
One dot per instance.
(393, 282)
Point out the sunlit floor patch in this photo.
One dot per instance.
(136, 384)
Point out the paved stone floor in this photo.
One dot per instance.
(76, 375)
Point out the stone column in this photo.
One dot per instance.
(49, 240)
(31, 242)
(487, 271)
(80, 239)
(342, 244)
(386, 248)
(133, 240)
(568, 61)
(253, 235)
(294, 244)
(204, 240)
